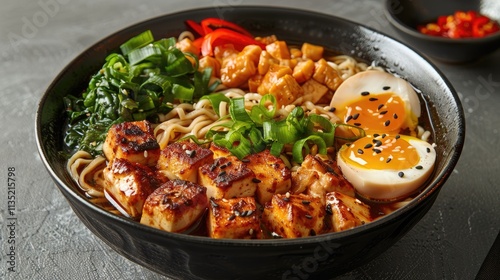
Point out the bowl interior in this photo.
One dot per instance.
(338, 35)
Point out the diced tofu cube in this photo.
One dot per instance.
(181, 160)
(235, 218)
(227, 177)
(237, 69)
(291, 216)
(219, 151)
(175, 206)
(303, 71)
(313, 91)
(278, 49)
(272, 174)
(317, 177)
(134, 141)
(326, 75)
(346, 212)
(128, 184)
(310, 51)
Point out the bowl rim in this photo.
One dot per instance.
(426, 192)
(403, 27)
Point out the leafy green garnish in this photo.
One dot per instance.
(136, 84)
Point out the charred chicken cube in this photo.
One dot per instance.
(235, 218)
(326, 75)
(227, 177)
(272, 175)
(134, 141)
(313, 52)
(128, 184)
(175, 206)
(297, 215)
(317, 177)
(181, 160)
(346, 211)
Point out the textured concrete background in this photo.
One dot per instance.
(38, 38)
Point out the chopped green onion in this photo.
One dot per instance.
(138, 41)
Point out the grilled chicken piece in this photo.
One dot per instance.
(291, 216)
(326, 75)
(235, 218)
(128, 184)
(346, 211)
(186, 45)
(209, 62)
(237, 68)
(134, 141)
(265, 60)
(317, 177)
(175, 206)
(272, 174)
(227, 177)
(181, 160)
(313, 52)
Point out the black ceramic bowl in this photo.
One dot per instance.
(194, 257)
(406, 15)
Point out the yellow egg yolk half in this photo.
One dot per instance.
(381, 152)
(376, 113)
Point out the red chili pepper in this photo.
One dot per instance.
(222, 36)
(469, 24)
(209, 24)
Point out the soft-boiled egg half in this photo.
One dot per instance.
(377, 102)
(386, 167)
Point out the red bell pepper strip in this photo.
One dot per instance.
(209, 24)
(222, 36)
(196, 27)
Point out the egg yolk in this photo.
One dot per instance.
(376, 113)
(381, 152)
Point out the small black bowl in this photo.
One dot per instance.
(318, 257)
(406, 15)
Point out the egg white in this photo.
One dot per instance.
(374, 82)
(387, 184)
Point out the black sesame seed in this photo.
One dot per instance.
(386, 88)
(387, 123)
(286, 199)
(365, 93)
(388, 160)
(328, 209)
(360, 151)
(401, 174)
(245, 160)
(428, 150)
(373, 99)
(348, 118)
(395, 116)
(376, 135)
(232, 217)
(419, 167)
(348, 144)
(384, 135)
(332, 109)
(191, 153)
(378, 143)
(222, 173)
(357, 124)
(306, 202)
(355, 116)
(397, 136)
(368, 146)
(308, 216)
(213, 203)
(380, 106)
(255, 180)
(383, 112)
(378, 151)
